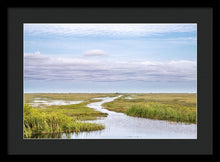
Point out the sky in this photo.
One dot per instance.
(110, 58)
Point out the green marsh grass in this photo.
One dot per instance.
(159, 111)
(52, 119)
(177, 107)
(76, 111)
(37, 122)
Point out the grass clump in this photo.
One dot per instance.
(37, 122)
(163, 112)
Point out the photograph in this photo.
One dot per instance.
(110, 81)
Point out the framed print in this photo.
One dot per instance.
(115, 78)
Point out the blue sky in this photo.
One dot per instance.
(110, 58)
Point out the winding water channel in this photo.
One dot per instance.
(122, 126)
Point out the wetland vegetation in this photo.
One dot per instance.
(172, 107)
(43, 118)
(37, 122)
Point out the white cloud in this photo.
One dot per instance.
(41, 67)
(95, 52)
(107, 29)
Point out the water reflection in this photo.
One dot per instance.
(47, 135)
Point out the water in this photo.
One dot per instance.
(39, 102)
(122, 126)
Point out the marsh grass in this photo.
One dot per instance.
(53, 119)
(29, 97)
(38, 122)
(173, 107)
(76, 111)
(163, 112)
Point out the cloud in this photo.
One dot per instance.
(95, 52)
(42, 67)
(106, 29)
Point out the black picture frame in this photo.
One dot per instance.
(16, 145)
